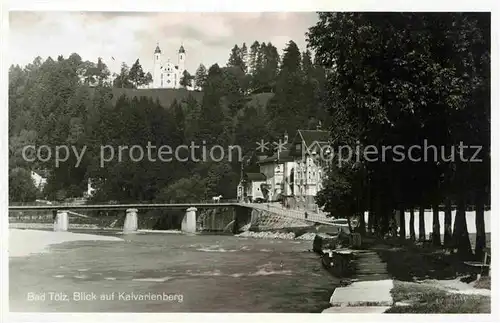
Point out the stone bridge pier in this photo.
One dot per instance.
(130, 224)
(188, 223)
(61, 221)
(242, 218)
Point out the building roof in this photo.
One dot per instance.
(309, 138)
(284, 156)
(255, 177)
(182, 50)
(157, 50)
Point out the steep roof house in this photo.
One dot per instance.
(296, 169)
(308, 150)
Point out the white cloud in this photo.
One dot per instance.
(207, 37)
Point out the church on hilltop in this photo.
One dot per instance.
(167, 75)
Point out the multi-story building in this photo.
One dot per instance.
(252, 186)
(308, 151)
(295, 172)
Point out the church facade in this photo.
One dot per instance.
(166, 74)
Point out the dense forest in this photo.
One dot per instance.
(400, 79)
(257, 95)
(380, 79)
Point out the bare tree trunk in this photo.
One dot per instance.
(371, 214)
(361, 207)
(362, 224)
(393, 225)
(370, 221)
(460, 234)
(436, 227)
(402, 223)
(377, 223)
(412, 224)
(421, 224)
(385, 216)
(480, 229)
(447, 224)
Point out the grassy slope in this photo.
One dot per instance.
(167, 96)
(425, 298)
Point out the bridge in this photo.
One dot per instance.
(188, 223)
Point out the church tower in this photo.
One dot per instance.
(157, 77)
(181, 64)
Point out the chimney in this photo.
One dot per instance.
(285, 137)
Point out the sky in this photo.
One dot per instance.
(126, 36)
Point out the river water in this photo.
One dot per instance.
(153, 272)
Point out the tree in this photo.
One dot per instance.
(200, 77)
(123, 79)
(136, 74)
(89, 72)
(192, 119)
(291, 61)
(307, 64)
(16, 146)
(236, 59)
(184, 190)
(244, 57)
(266, 69)
(178, 133)
(286, 108)
(250, 127)
(436, 229)
(21, 186)
(390, 83)
(412, 225)
(148, 79)
(221, 180)
(421, 224)
(447, 224)
(102, 71)
(186, 79)
(211, 123)
(253, 63)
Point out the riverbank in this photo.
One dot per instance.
(277, 235)
(439, 296)
(26, 242)
(394, 276)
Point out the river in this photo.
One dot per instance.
(157, 272)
